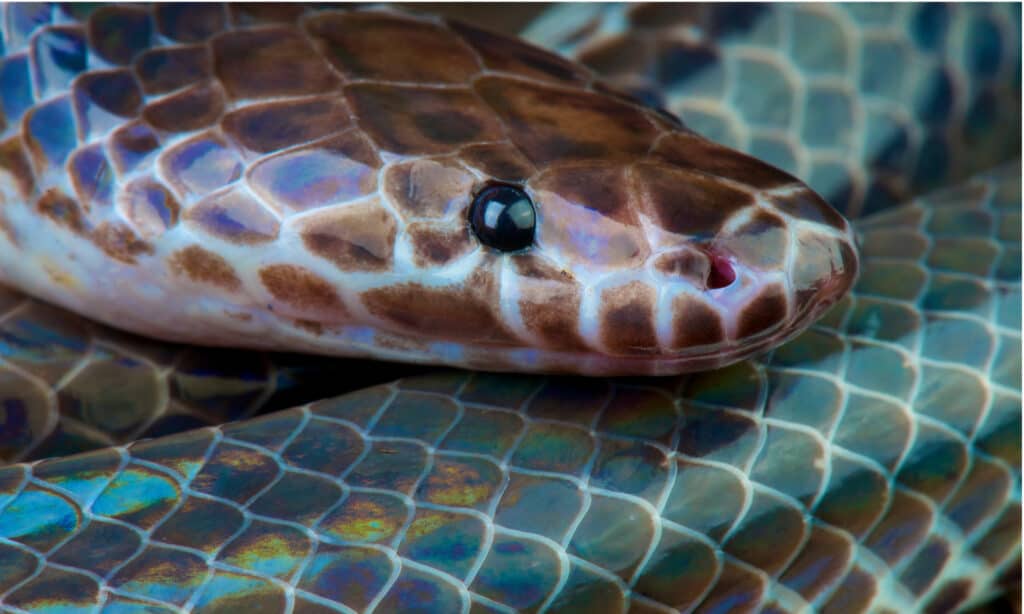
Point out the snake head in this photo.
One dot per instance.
(371, 183)
(603, 235)
(690, 255)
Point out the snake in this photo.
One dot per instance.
(676, 378)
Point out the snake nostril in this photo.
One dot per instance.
(721, 273)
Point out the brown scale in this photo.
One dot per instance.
(762, 241)
(428, 187)
(303, 291)
(587, 214)
(511, 55)
(362, 46)
(267, 127)
(688, 203)
(114, 92)
(167, 69)
(357, 237)
(502, 161)
(197, 107)
(132, 145)
(16, 168)
(437, 244)
(269, 62)
(326, 109)
(413, 120)
(554, 123)
(627, 318)
(767, 309)
(120, 242)
(695, 324)
(549, 303)
(203, 266)
(464, 312)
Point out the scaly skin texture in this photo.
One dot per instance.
(303, 185)
(871, 463)
(870, 103)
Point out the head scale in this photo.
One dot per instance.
(369, 183)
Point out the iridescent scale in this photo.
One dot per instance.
(870, 464)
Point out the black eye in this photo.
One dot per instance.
(502, 217)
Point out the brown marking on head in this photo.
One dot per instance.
(613, 56)
(691, 151)
(534, 266)
(120, 242)
(500, 161)
(588, 215)
(15, 168)
(693, 265)
(551, 311)
(687, 203)
(192, 109)
(131, 144)
(114, 91)
(189, 23)
(766, 310)
(269, 62)
(262, 13)
(435, 245)
(7, 229)
(63, 210)
(627, 318)
(761, 242)
(106, 26)
(465, 312)
(428, 187)
(167, 69)
(421, 120)
(203, 266)
(386, 46)
(506, 54)
(302, 290)
(273, 126)
(357, 237)
(695, 324)
(804, 204)
(602, 188)
(550, 123)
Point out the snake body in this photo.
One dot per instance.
(837, 472)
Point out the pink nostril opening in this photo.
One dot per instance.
(722, 274)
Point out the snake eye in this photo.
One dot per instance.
(503, 217)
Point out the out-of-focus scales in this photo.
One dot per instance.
(871, 463)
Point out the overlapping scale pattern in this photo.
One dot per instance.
(293, 180)
(69, 385)
(869, 103)
(873, 462)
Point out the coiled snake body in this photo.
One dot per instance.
(259, 178)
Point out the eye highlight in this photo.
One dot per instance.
(503, 217)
